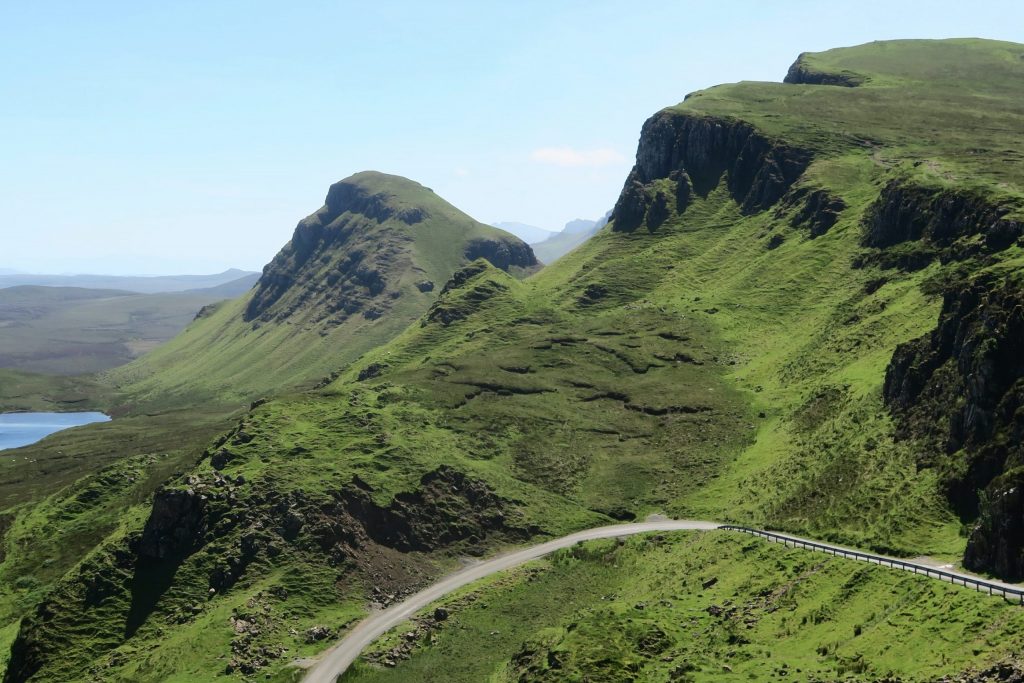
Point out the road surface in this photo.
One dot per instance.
(338, 658)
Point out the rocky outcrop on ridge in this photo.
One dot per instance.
(694, 153)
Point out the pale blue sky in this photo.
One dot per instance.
(190, 136)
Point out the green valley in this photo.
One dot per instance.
(78, 331)
(804, 314)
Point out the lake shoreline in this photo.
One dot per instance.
(21, 428)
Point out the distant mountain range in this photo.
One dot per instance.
(131, 283)
(550, 245)
(573, 235)
(527, 233)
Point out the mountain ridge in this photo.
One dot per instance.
(720, 351)
(355, 273)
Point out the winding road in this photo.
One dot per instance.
(336, 660)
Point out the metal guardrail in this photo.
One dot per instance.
(1009, 593)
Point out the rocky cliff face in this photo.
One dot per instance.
(175, 525)
(996, 543)
(694, 153)
(905, 212)
(960, 391)
(351, 257)
(330, 259)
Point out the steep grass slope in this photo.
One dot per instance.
(749, 339)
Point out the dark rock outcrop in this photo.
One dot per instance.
(996, 543)
(802, 73)
(502, 253)
(939, 217)
(371, 371)
(1007, 671)
(959, 391)
(694, 153)
(176, 524)
(819, 210)
(448, 507)
(592, 294)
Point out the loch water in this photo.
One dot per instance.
(22, 429)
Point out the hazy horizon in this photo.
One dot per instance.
(192, 138)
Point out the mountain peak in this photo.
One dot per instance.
(375, 235)
(380, 196)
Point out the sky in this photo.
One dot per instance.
(144, 137)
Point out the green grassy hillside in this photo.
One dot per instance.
(750, 339)
(358, 271)
(24, 391)
(355, 274)
(639, 610)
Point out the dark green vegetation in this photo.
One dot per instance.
(75, 331)
(639, 610)
(802, 315)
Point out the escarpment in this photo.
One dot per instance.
(693, 153)
(502, 253)
(943, 217)
(959, 391)
(331, 261)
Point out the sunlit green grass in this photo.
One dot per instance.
(637, 610)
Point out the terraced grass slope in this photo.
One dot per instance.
(802, 315)
(354, 274)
